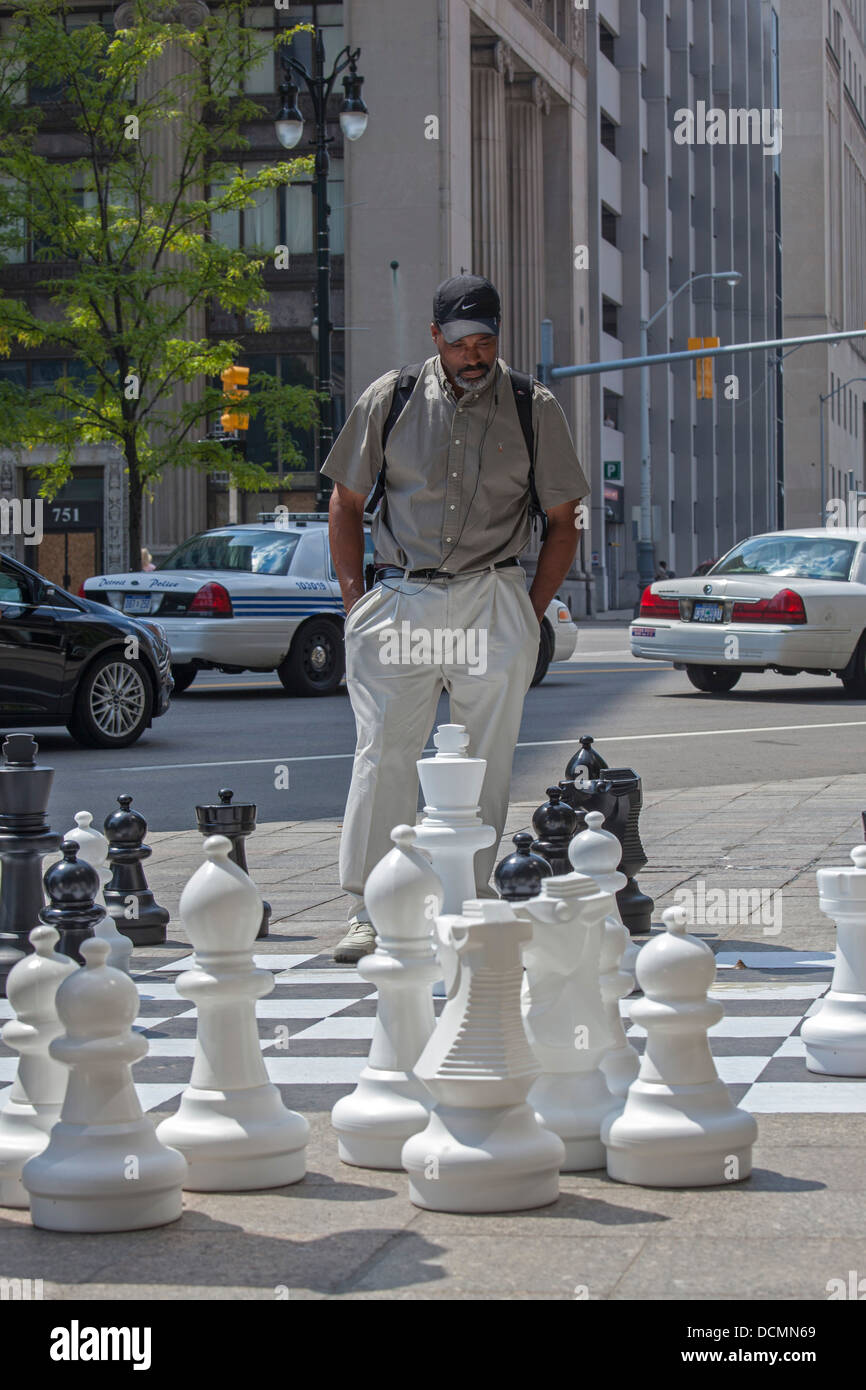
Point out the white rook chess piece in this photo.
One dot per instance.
(103, 1168)
(232, 1126)
(596, 852)
(93, 849)
(835, 1036)
(451, 830)
(483, 1148)
(679, 1127)
(37, 1092)
(564, 1014)
(403, 896)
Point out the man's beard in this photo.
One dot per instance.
(467, 383)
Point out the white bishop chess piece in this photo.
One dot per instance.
(36, 1094)
(835, 1036)
(232, 1126)
(596, 852)
(403, 896)
(483, 1148)
(93, 849)
(679, 1127)
(451, 830)
(103, 1168)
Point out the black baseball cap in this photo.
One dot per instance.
(464, 305)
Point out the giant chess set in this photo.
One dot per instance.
(485, 1047)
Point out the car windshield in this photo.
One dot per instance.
(250, 552)
(790, 557)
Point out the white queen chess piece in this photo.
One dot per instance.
(232, 1126)
(835, 1036)
(403, 896)
(679, 1126)
(36, 1095)
(93, 849)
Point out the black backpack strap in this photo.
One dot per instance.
(522, 384)
(403, 388)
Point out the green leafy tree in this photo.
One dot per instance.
(151, 120)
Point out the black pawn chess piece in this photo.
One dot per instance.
(236, 820)
(127, 897)
(555, 823)
(518, 876)
(589, 758)
(72, 886)
(24, 838)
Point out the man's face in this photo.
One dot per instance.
(469, 361)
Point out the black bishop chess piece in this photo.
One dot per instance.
(236, 820)
(589, 758)
(72, 886)
(555, 823)
(127, 897)
(519, 875)
(24, 838)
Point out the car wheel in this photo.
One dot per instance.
(855, 684)
(183, 676)
(545, 654)
(113, 703)
(712, 680)
(316, 661)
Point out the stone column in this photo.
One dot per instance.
(528, 99)
(491, 61)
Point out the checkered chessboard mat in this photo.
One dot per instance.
(316, 1025)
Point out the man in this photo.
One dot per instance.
(453, 520)
(662, 571)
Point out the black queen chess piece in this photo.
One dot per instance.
(520, 875)
(236, 820)
(127, 897)
(24, 838)
(555, 823)
(72, 886)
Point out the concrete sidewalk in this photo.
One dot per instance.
(798, 1222)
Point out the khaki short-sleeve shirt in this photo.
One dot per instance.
(457, 483)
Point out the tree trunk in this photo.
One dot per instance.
(135, 502)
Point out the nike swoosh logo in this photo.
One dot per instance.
(468, 306)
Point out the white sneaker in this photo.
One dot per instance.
(359, 941)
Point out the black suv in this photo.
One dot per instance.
(66, 660)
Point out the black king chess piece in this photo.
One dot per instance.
(127, 897)
(519, 875)
(72, 886)
(236, 820)
(555, 823)
(24, 838)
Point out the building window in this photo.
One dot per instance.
(610, 410)
(609, 317)
(606, 41)
(608, 225)
(608, 133)
(291, 371)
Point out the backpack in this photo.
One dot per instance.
(521, 385)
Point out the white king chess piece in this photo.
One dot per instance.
(679, 1127)
(232, 1126)
(451, 830)
(835, 1036)
(483, 1148)
(403, 896)
(93, 849)
(36, 1095)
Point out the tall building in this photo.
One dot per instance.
(823, 47)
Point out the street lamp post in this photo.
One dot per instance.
(290, 128)
(823, 400)
(645, 544)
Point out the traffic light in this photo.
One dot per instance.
(234, 379)
(703, 367)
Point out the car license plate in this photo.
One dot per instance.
(643, 632)
(707, 613)
(137, 603)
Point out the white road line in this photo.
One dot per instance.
(545, 743)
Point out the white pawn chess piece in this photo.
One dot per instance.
(232, 1126)
(103, 1168)
(596, 852)
(835, 1036)
(451, 830)
(483, 1148)
(565, 1016)
(403, 895)
(679, 1126)
(93, 849)
(36, 1095)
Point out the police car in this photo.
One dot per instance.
(264, 596)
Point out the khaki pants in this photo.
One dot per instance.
(394, 699)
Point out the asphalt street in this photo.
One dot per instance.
(293, 757)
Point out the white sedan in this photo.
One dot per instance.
(788, 601)
(264, 597)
